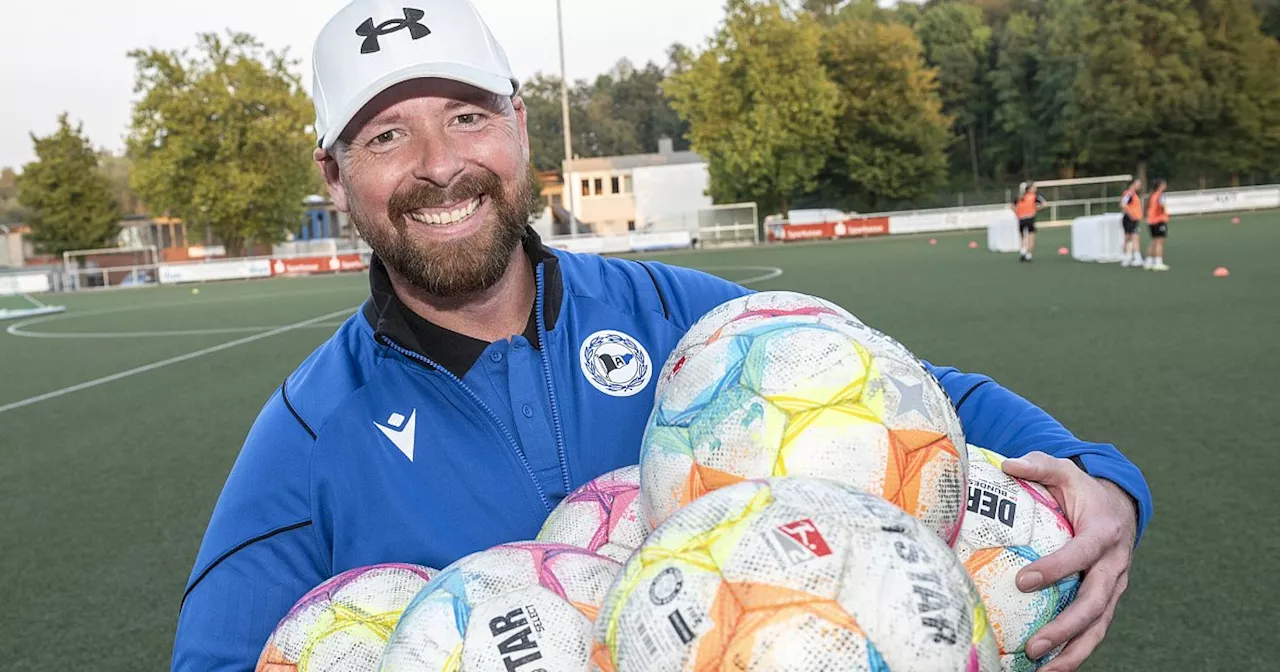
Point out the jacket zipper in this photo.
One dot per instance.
(511, 441)
(546, 375)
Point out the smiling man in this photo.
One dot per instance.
(487, 375)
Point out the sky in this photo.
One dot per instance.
(70, 55)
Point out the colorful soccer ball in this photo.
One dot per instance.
(522, 606)
(1009, 524)
(789, 574)
(741, 313)
(783, 398)
(344, 623)
(603, 516)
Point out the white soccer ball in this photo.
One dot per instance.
(783, 398)
(522, 606)
(796, 574)
(1009, 524)
(343, 624)
(741, 313)
(603, 515)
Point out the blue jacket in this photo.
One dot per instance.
(398, 441)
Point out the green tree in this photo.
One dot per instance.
(222, 138)
(541, 94)
(118, 171)
(1013, 83)
(11, 212)
(1269, 14)
(69, 204)
(1142, 85)
(1240, 132)
(892, 137)
(759, 105)
(1060, 110)
(956, 42)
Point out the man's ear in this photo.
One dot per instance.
(522, 120)
(330, 170)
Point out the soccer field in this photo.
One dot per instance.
(120, 419)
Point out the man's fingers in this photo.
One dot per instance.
(1083, 646)
(1091, 603)
(1041, 468)
(1076, 556)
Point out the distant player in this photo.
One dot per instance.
(1026, 207)
(1131, 216)
(1158, 222)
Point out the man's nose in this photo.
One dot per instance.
(439, 162)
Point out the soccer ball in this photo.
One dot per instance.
(741, 313)
(603, 516)
(343, 624)
(521, 606)
(1011, 523)
(793, 573)
(783, 398)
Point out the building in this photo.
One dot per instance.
(637, 192)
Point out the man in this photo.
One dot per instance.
(1130, 217)
(471, 393)
(1158, 223)
(1025, 208)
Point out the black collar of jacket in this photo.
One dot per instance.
(457, 353)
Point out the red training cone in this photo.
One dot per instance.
(1062, 251)
(1221, 272)
(973, 244)
(1235, 220)
(933, 241)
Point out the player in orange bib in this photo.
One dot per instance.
(1025, 208)
(1130, 217)
(1158, 222)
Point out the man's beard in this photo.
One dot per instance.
(453, 268)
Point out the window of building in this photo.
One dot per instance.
(626, 184)
(614, 186)
(631, 223)
(599, 186)
(586, 187)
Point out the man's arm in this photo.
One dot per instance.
(260, 552)
(997, 419)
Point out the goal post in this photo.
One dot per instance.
(729, 224)
(1080, 196)
(111, 267)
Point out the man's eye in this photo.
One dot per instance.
(383, 138)
(468, 119)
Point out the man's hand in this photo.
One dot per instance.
(1105, 522)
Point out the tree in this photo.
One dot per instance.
(1269, 14)
(892, 137)
(541, 94)
(1013, 82)
(11, 212)
(956, 42)
(118, 170)
(68, 202)
(1059, 107)
(1240, 132)
(759, 105)
(1142, 85)
(222, 139)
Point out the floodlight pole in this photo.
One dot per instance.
(568, 134)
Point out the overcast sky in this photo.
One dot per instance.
(69, 55)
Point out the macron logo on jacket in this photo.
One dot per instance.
(401, 431)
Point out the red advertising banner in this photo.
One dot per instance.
(849, 228)
(313, 265)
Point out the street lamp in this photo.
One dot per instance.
(568, 134)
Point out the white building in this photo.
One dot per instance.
(639, 192)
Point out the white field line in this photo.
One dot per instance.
(170, 361)
(770, 272)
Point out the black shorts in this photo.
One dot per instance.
(1130, 225)
(1160, 230)
(1027, 225)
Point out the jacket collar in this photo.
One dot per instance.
(456, 353)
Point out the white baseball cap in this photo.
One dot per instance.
(372, 45)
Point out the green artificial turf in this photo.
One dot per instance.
(105, 491)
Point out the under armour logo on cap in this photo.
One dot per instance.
(371, 33)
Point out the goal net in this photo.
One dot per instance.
(111, 267)
(1080, 197)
